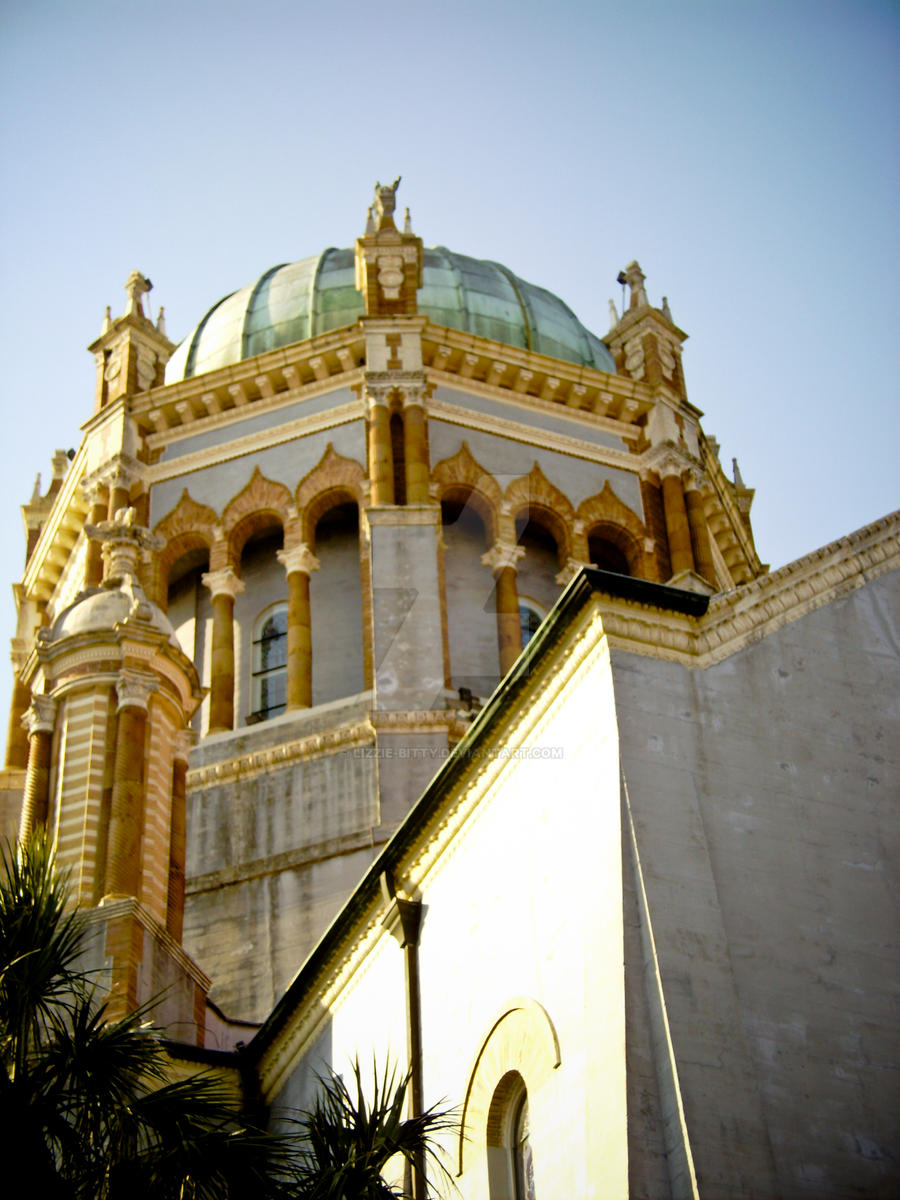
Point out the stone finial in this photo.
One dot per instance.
(123, 541)
(407, 221)
(613, 314)
(107, 320)
(370, 220)
(136, 286)
(385, 203)
(161, 321)
(736, 470)
(666, 311)
(36, 493)
(635, 278)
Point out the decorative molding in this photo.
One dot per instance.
(521, 1038)
(501, 555)
(530, 435)
(462, 476)
(298, 558)
(133, 689)
(333, 478)
(535, 491)
(619, 524)
(223, 583)
(40, 717)
(251, 508)
(260, 762)
(756, 609)
(253, 443)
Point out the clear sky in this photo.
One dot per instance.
(745, 152)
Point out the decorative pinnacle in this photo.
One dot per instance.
(635, 278)
(136, 286)
(124, 541)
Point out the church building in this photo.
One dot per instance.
(397, 677)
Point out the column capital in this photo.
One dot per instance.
(666, 459)
(182, 743)
(223, 583)
(133, 689)
(695, 479)
(95, 491)
(298, 558)
(40, 717)
(502, 555)
(414, 394)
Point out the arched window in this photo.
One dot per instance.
(522, 1164)
(530, 614)
(270, 663)
(510, 1159)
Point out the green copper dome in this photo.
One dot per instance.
(299, 300)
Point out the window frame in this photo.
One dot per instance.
(261, 674)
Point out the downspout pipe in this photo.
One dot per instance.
(403, 919)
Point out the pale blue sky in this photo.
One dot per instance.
(745, 152)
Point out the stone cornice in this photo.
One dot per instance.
(241, 447)
(59, 534)
(450, 354)
(530, 435)
(747, 614)
(518, 402)
(254, 384)
(260, 762)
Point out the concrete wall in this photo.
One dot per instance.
(272, 853)
(336, 608)
(764, 791)
(519, 918)
(471, 604)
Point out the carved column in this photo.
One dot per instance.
(126, 818)
(118, 494)
(225, 587)
(93, 562)
(39, 721)
(415, 448)
(700, 543)
(299, 563)
(381, 456)
(502, 559)
(677, 528)
(178, 837)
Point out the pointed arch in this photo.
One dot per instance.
(605, 514)
(462, 478)
(333, 480)
(259, 504)
(188, 526)
(535, 494)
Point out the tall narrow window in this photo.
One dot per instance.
(523, 1159)
(270, 664)
(530, 616)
